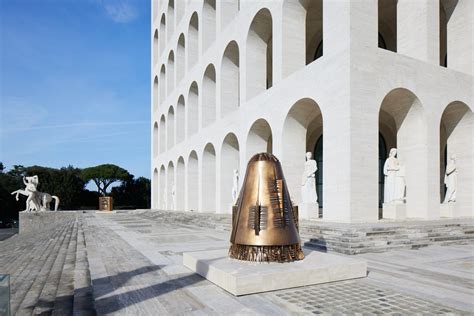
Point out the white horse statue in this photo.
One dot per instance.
(36, 200)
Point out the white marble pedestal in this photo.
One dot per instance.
(308, 210)
(244, 277)
(396, 211)
(447, 210)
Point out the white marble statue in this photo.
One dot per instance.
(450, 180)
(36, 200)
(173, 195)
(400, 184)
(390, 169)
(235, 186)
(308, 181)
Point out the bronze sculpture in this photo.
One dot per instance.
(264, 221)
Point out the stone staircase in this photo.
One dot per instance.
(222, 222)
(381, 237)
(344, 238)
(49, 270)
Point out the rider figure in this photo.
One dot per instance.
(32, 202)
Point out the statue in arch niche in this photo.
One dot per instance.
(235, 186)
(395, 185)
(173, 196)
(308, 181)
(450, 180)
(36, 201)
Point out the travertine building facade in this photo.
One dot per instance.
(232, 78)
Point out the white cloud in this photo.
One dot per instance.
(120, 11)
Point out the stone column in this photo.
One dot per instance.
(351, 157)
(460, 37)
(349, 23)
(293, 31)
(418, 29)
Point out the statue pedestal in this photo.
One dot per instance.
(308, 210)
(447, 210)
(245, 277)
(394, 211)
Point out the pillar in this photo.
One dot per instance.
(460, 37)
(418, 29)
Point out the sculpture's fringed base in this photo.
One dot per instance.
(285, 253)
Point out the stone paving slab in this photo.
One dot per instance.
(130, 263)
(422, 290)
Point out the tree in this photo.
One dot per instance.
(132, 194)
(104, 175)
(9, 207)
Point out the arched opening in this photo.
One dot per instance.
(171, 188)
(453, 46)
(209, 23)
(209, 96)
(155, 48)
(170, 72)
(180, 120)
(181, 58)
(259, 54)
(170, 18)
(230, 83)
(259, 139)
(192, 179)
(456, 141)
(193, 41)
(155, 94)
(314, 30)
(180, 185)
(162, 132)
(162, 187)
(156, 192)
(302, 129)
(402, 125)
(387, 24)
(229, 162)
(162, 84)
(208, 183)
(170, 130)
(193, 108)
(318, 156)
(162, 33)
(229, 9)
(383, 154)
(155, 140)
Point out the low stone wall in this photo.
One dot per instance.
(40, 221)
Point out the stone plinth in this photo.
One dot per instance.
(394, 211)
(308, 210)
(40, 221)
(447, 210)
(243, 277)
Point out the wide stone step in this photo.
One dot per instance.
(48, 295)
(28, 283)
(63, 305)
(83, 294)
(18, 250)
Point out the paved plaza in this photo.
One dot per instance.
(131, 264)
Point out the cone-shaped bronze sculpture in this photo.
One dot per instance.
(264, 223)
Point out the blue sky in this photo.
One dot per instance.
(75, 83)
